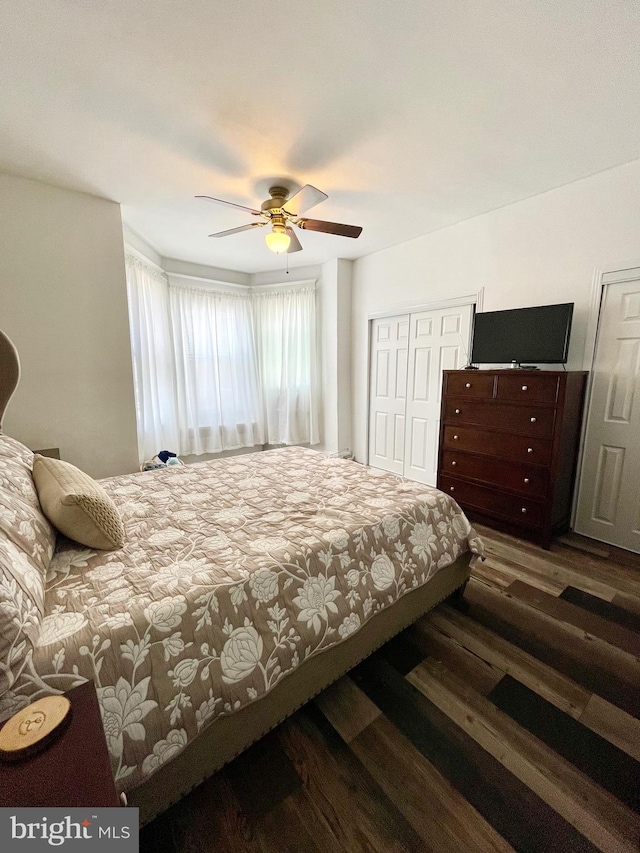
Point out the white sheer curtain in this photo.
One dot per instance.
(153, 359)
(286, 334)
(217, 371)
(219, 401)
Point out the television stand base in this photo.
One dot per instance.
(515, 366)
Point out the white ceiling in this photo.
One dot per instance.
(411, 115)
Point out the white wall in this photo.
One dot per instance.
(63, 302)
(539, 251)
(335, 321)
(214, 274)
(309, 273)
(329, 357)
(135, 241)
(343, 378)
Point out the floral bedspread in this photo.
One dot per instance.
(232, 574)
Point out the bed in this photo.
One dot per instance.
(244, 587)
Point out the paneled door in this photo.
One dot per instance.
(408, 354)
(609, 497)
(387, 393)
(438, 341)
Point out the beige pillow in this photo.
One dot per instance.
(77, 505)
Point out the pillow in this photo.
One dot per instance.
(27, 542)
(77, 505)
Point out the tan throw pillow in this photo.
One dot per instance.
(77, 505)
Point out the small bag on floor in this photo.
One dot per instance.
(164, 459)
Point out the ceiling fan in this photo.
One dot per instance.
(281, 237)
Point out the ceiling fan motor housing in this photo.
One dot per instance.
(273, 206)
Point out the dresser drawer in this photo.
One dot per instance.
(468, 385)
(530, 420)
(490, 502)
(529, 480)
(528, 388)
(520, 448)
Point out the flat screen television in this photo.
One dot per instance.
(537, 335)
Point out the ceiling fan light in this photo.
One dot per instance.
(278, 240)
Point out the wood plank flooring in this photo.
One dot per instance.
(508, 721)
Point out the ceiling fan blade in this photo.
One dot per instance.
(329, 227)
(295, 245)
(238, 230)
(230, 204)
(304, 199)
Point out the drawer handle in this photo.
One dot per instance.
(454, 463)
(526, 479)
(529, 449)
(467, 385)
(455, 437)
(524, 387)
(524, 509)
(533, 420)
(457, 411)
(451, 489)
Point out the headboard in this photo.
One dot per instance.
(9, 372)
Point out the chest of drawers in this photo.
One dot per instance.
(508, 447)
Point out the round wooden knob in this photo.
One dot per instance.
(457, 411)
(467, 385)
(454, 462)
(529, 449)
(524, 509)
(451, 489)
(526, 479)
(524, 387)
(455, 437)
(533, 420)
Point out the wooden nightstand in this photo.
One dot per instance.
(72, 771)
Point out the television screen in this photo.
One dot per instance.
(522, 335)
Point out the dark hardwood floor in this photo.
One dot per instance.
(507, 722)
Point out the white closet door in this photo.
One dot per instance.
(609, 498)
(438, 340)
(388, 377)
